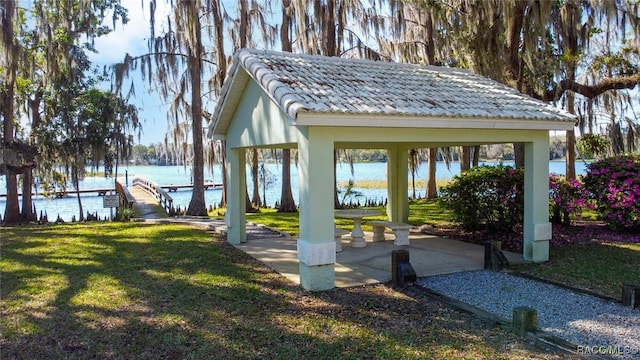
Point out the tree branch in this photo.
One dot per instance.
(164, 53)
(592, 91)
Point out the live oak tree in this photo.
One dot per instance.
(63, 136)
(103, 133)
(538, 47)
(44, 66)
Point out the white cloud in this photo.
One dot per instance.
(132, 37)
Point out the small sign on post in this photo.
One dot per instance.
(111, 201)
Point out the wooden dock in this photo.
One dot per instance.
(146, 205)
(102, 192)
(63, 193)
(171, 188)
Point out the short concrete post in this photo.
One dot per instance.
(494, 258)
(488, 251)
(631, 296)
(401, 270)
(499, 262)
(525, 319)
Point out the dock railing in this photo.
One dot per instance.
(126, 199)
(163, 197)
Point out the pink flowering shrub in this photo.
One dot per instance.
(615, 184)
(486, 197)
(568, 197)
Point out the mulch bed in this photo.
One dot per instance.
(579, 233)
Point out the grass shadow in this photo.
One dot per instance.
(129, 290)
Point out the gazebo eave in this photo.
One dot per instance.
(308, 118)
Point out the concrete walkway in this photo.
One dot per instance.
(428, 254)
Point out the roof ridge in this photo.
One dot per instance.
(289, 54)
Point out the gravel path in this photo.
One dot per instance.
(594, 325)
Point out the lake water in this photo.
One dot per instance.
(67, 207)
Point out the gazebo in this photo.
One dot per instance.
(317, 104)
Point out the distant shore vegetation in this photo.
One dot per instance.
(158, 154)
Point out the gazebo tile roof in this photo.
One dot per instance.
(337, 85)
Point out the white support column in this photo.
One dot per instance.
(537, 228)
(397, 184)
(235, 217)
(316, 244)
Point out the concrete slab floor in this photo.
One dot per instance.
(428, 255)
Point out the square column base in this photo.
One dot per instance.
(536, 242)
(317, 278)
(536, 251)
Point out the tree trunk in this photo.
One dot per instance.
(336, 200)
(285, 39)
(413, 185)
(286, 198)
(12, 209)
(247, 201)
(414, 163)
(475, 161)
(76, 185)
(197, 206)
(248, 204)
(465, 158)
(518, 154)
(264, 186)
(432, 190)
(223, 169)
(28, 214)
(570, 163)
(255, 199)
(570, 39)
(27, 200)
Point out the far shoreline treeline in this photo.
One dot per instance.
(158, 154)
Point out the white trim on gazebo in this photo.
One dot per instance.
(317, 104)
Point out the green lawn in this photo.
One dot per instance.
(420, 212)
(136, 291)
(600, 267)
